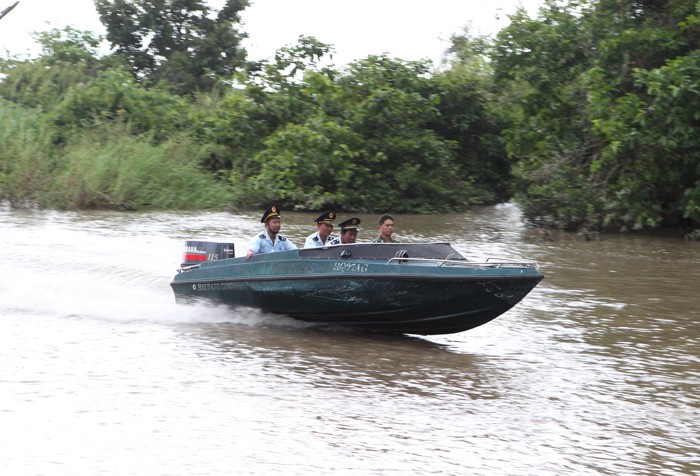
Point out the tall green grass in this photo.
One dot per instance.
(102, 167)
(25, 161)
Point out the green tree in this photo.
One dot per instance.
(468, 116)
(645, 96)
(537, 65)
(279, 87)
(393, 105)
(308, 166)
(177, 41)
(238, 122)
(69, 58)
(598, 98)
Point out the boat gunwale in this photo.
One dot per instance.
(362, 276)
(484, 265)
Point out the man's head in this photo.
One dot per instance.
(324, 223)
(386, 225)
(272, 220)
(348, 230)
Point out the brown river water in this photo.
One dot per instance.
(596, 372)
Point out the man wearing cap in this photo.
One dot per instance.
(270, 240)
(324, 223)
(348, 232)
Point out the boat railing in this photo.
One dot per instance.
(504, 263)
(489, 263)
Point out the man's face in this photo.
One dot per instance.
(324, 229)
(273, 225)
(349, 236)
(386, 228)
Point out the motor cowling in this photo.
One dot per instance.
(197, 252)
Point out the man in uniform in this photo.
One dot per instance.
(270, 240)
(324, 223)
(386, 230)
(348, 232)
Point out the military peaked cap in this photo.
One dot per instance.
(350, 224)
(326, 217)
(271, 212)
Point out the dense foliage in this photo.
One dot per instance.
(178, 42)
(600, 102)
(587, 114)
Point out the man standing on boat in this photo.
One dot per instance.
(324, 223)
(348, 232)
(270, 240)
(386, 230)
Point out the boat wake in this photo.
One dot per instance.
(124, 296)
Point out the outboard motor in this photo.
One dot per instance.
(197, 252)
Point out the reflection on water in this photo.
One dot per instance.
(331, 359)
(595, 372)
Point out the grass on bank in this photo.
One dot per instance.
(101, 168)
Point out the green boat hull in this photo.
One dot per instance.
(402, 288)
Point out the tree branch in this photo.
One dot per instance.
(8, 9)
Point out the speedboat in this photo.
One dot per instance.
(411, 288)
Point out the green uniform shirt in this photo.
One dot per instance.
(379, 239)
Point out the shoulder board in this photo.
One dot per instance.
(261, 235)
(281, 238)
(315, 238)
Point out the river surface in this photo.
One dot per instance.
(596, 372)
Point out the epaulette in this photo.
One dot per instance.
(316, 238)
(281, 238)
(261, 235)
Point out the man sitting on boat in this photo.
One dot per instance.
(386, 230)
(348, 232)
(324, 223)
(270, 240)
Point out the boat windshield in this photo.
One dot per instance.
(383, 251)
